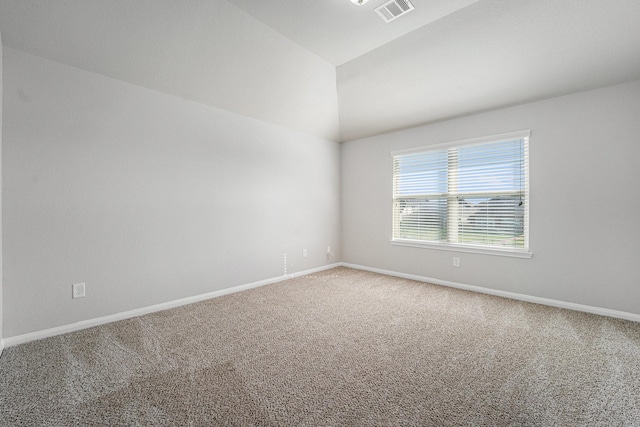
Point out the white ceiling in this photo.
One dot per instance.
(207, 51)
(492, 54)
(338, 30)
(447, 58)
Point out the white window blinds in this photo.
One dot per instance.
(471, 193)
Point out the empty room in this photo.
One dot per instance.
(335, 212)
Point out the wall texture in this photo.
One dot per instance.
(584, 180)
(147, 197)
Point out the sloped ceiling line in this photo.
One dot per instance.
(334, 69)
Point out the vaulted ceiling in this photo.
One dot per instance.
(338, 31)
(445, 59)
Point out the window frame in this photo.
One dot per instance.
(465, 247)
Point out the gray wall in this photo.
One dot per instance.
(147, 197)
(489, 55)
(584, 150)
(207, 51)
(1, 131)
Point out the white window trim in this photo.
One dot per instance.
(460, 143)
(514, 253)
(457, 247)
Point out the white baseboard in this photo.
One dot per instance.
(32, 336)
(512, 295)
(84, 324)
(1, 347)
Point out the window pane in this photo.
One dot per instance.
(492, 221)
(472, 194)
(421, 219)
(422, 173)
(491, 167)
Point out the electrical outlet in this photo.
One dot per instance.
(78, 290)
(456, 261)
(304, 253)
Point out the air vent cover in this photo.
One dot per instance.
(394, 9)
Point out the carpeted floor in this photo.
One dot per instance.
(341, 347)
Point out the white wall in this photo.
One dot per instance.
(147, 197)
(1, 131)
(489, 55)
(208, 51)
(584, 152)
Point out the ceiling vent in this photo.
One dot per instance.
(394, 9)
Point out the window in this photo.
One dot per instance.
(470, 195)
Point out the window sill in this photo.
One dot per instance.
(462, 248)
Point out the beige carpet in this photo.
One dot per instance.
(341, 347)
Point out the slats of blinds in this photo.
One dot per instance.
(475, 194)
